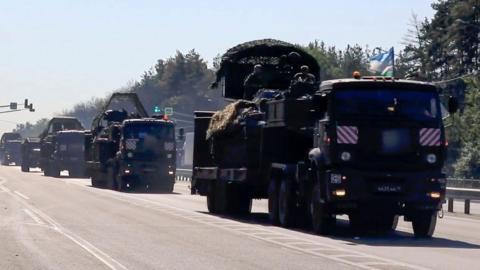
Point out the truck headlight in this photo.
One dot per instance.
(431, 158)
(345, 156)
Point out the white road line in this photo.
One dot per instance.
(33, 216)
(21, 195)
(90, 248)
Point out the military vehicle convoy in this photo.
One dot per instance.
(368, 147)
(53, 148)
(30, 154)
(10, 148)
(127, 150)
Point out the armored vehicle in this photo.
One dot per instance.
(10, 148)
(371, 148)
(30, 154)
(128, 150)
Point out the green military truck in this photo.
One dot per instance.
(371, 148)
(10, 148)
(51, 160)
(130, 151)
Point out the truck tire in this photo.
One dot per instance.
(423, 223)
(240, 202)
(322, 221)
(286, 204)
(25, 167)
(273, 202)
(211, 198)
(111, 179)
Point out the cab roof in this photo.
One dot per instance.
(375, 82)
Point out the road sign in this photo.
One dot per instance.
(168, 111)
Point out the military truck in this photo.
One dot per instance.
(130, 151)
(30, 154)
(371, 148)
(68, 154)
(10, 148)
(49, 147)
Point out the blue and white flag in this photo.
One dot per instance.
(382, 63)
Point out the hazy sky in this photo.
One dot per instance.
(57, 53)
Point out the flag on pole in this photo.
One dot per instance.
(382, 63)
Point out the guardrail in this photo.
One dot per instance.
(460, 189)
(183, 175)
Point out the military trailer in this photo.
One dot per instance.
(10, 148)
(371, 148)
(129, 151)
(30, 154)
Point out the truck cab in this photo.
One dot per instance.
(147, 155)
(69, 153)
(379, 148)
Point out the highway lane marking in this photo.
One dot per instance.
(21, 195)
(87, 246)
(33, 216)
(213, 221)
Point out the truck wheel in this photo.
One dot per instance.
(423, 223)
(111, 179)
(211, 202)
(322, 222)
(25, 168)
(387, 223)
(273, 202)
(286, 204)
(55, 172)
(239, 201)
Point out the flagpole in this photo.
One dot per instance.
(393, 62)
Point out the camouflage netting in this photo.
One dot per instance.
(263, 52)
(227, 120)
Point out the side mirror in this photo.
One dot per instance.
(452, 105)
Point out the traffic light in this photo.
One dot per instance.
(25, 104)
(30, 107)
(13, 105)
(157, 109)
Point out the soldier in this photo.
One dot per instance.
(253, 82)
(304, 76)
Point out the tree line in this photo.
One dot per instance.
(443, 48)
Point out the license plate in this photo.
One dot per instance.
(389, 188)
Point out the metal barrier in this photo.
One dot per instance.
(183, 175)
(462, 189)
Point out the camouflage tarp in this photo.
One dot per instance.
(227, 119)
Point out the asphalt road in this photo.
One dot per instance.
(64, 223)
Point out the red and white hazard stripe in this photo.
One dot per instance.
(430, 137)
(347, 134)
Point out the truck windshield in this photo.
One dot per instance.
(399, 103)
(160, 131)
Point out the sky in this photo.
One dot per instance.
(58, 53)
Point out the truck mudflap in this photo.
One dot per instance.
(347, 189)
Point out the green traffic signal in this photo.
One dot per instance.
(157, 109)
